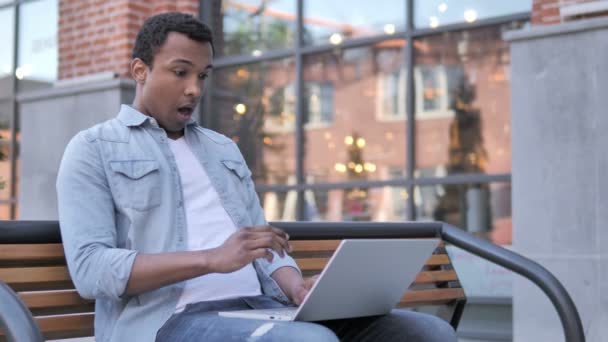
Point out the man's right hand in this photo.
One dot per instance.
(246, 245)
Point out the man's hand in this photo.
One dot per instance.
(246, 245)
(301, 290)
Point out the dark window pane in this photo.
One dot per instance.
(255, 106)
(37, 66)
(481, 209)
(6, 53)
(354, 111)
(253, 26)
(331, 22)
(462, 103)
(436, 13)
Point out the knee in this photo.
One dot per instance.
(427, 327)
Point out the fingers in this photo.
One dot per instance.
(268, 237)
(309, 282)
(267, 241)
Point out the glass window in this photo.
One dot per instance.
(462, 93)
(331, 22)
(354, 204)
(435, 13)
(253, 26)
(481, 209)
(5, 210)
(37, 66)
(6, 113)
(350, 134)
(6, 53)
(252, 104)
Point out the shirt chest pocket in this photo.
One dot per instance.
(240, 178)
(136, 183)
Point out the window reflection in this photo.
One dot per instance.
(462, 93)
(6, 113)
(436, 13)
(37, 66)
(332, 22)
(255, 106)
(253, 26)
(6, 53)
(350, 134)
(481, 209)
(356, 204)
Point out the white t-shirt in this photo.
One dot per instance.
(208, 226)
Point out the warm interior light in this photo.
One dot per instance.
(361, 143)
(340, 167)
(240, 108)
(389, 29)
(470, 15)
(336, 39)
(433, 22)
(348, 140)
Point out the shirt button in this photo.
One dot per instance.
(179, 204)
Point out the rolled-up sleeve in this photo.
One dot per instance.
(86, 215)
(257, 214)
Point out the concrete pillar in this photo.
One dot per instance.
(560, 171)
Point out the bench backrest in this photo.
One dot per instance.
(39, 275)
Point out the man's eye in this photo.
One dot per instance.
(179, 73)
(203, 76)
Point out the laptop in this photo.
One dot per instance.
(364, 277)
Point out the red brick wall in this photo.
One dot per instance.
(97, 35)
(547, 11)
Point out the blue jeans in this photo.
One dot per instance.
(200, 322)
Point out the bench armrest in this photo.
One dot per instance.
(16, 321)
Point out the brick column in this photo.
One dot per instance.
(97, 36)
(546, 12)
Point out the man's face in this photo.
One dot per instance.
(172, 88)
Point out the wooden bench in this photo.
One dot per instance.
(37, 272)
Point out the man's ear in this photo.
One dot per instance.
(139, 70)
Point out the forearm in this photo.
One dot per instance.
(152, 271)
(289, 280)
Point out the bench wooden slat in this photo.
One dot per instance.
(312, 264)
(322, 245)
(431, 297)
(426, 277)
(56, 302)
(52, 298)
(32, 252)
(315, 246)
(37, 278)
(67, 326)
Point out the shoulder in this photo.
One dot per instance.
(111, 130)
(213, 136)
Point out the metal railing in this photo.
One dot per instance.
(13, 314)
(15, 319)
(547, 282)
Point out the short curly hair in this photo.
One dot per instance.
(155, 30)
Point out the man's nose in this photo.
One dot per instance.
(194, 89)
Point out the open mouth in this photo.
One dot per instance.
(185, 111)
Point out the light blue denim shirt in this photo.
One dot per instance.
(119, 194)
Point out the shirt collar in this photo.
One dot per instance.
(132, 117)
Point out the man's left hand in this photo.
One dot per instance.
(301, 290)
